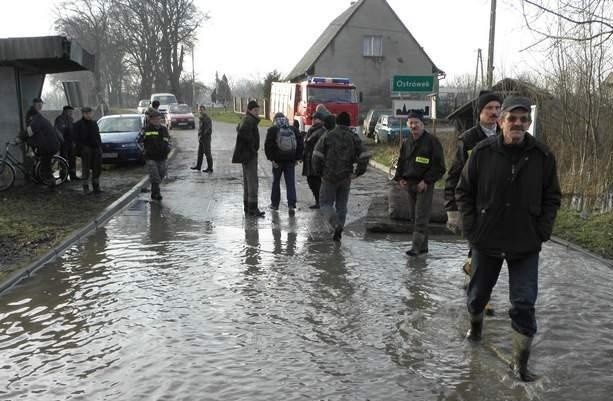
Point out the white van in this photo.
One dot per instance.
(165, 100)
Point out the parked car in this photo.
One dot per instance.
(143, 104)
(180, 115)
(388, 128)
(371, 120)
(165, 99)
(119, 135)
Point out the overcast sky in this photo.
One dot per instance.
(247, 39)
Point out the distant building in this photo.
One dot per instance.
(369, 44)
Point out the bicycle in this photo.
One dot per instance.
(9, 164)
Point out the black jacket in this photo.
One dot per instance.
(421, 159)
(466, 142)
(65, 126)
(206, 126)
(271, 149)
(336, 152)
(156, 141)
(87, 133)
(509, 199)
(247, 139)
(42, 134)
(312, 136)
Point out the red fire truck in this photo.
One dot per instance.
(299, 100)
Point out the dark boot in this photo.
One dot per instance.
(96, 187)
(86, 188)
(476, 327)
(254, 211)
(338, 234)
(418, 246)
(246, 207)
(155, 192)
(521, 354)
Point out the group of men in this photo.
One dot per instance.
(71, 139)
(502, 192)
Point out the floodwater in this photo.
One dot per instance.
(185, 300)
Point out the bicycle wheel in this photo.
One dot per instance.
(7, 175)
(392, 171)
(59, 171)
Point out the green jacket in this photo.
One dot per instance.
(336, 152)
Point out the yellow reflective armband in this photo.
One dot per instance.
(422, 160)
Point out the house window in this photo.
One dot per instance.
(373, 46)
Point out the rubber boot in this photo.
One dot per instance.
(476, 327)
(155, 192)
(417, 246)
(96, 187)
(86, 188)
(338, 233)
(521, 354)
(246, 207)
(254, 210)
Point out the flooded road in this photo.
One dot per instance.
(187, 300)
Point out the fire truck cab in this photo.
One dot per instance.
(299, 100)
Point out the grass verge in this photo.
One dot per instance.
(232, 117)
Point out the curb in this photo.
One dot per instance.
(379, 166)
(78, 234)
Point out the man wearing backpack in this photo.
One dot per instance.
(283, 147)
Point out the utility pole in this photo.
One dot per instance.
(490, 52)
(193, 79)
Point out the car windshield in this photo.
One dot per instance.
(180, 109)
(165, 99)
(331, 95)
(119, 124)
(143, 103)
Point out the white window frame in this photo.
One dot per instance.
(372, 46)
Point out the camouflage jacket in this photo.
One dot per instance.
(336, 152)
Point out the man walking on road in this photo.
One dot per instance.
(333, 159)
(205, 132)
(488, 111)
(156, 141)
(421, 164)
(89, 147)
(312, 136)
(283, 147)
(246, 153)
(508, 196)
(65, 125)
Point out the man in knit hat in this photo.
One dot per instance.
(334, 157)
(487, 110)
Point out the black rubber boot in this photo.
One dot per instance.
(419, 245)
(476, 327)
(246, 207)
(254, 210)
(96, 187)
(86, 188)
(155, 192)
(338, 234)
(521, 355)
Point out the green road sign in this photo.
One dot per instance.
(413, 83)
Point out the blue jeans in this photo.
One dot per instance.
(288, 171)
(523, 288)
(335, 195)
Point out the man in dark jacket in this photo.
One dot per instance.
(64, 124)
(246, 153)
(43, 137)
(156, 141)
(283, 147)
(313, 134)
(421, 163)
(333, 158)
(508, 196)
(205, 132)
(89, 147)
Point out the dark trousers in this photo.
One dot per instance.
(250, 181)
(315, 186)
(204, 148)
(68, 153)
(91, 159)
(420, 208)
(45, 168)
(523, 287)
(335, 195)
(286, 170)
